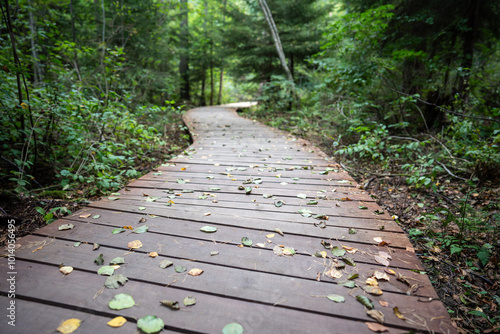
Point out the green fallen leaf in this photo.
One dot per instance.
(233, 328)
(352, 230)
(111, 198)
(174, 305)
(180, 269)
(96, 216)
(312, 202)
(348, 261)
(106, 270)
(303, 196)
(213, 253)
(142, 208)
(99, 260)
(353, 276)
(65, 227)
(181, 181)
(348, 284)
(150, 324)
(267, 196)
(365, 301)
(189, 301)
(121, 301)
(118, 230)
(362, 207)
(165, 264)
(208, 229)
(305, 212)
(142, 229)
(76, 244)
(336, 298)
(279, 204)
(117, 260)
(215, 188)
(114, 281)
(248, 190)
(247, 242)
(338, 251)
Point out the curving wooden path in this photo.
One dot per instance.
(248, 181)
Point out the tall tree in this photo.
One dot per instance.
(184, 54)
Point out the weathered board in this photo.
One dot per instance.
(292, 230)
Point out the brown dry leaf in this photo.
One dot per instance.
(374, 290)
(69, 326)
(383, 303)
(117, 322)
(86, 216)
(377, 315)
(66, 270)
(375, 327)
(153, 254)
(333, 273)
(207, 213)
(195, 272)
(241, 246)
(134, 244)
(128, 227)
(270, 235)
(398, 314)
(412, 250)
(385, 255)
(350, 250)
(381, 276)
(143, 220)
(382, 260)
(372, 281)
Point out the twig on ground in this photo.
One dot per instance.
(448, 171)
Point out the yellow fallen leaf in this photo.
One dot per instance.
(398, 314)
(115, 266)
(134, 244)
(372, 281)
(378, 239)
(86, 216)
(390, 271)
(117, 322)
(66, 270)
(153, 254)
(128, 227)
(323, 254)
(383, 303)
(350, 250)
(183, 168)
(69, 326)
(195, 272)
(270, 235)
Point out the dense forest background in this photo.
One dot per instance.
(405, 94)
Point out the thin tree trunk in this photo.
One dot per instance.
(184, 54)
(37, 71)
(277, 42)
(221, 78)
(211, 72)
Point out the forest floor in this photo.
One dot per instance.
(469, 289)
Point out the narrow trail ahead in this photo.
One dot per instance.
(291, 229)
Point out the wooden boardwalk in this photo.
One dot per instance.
(247, 181)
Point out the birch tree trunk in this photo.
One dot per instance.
(276, 37)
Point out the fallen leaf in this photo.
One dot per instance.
(372, 281)
(121, 301)
(165, 263)
(383, 303)
(377, 315)
(382, 261)
(352, 230)
(352, 276)
(381, 276)
(348, 261)
(333, 273)
(365, 301)
(278, 250)
(288, 251)
(213, 253)
(106, 270)
(303, 196)
(95, 246)
(86, 215)
(337, 251)
(374, 290)
(376, 327)
(390, 271)
(142, 229)
(65, 227)
(232, 328)
(114, 281)
(180, 269)
(142, 220)
(134, 244)
(348, 284)
(150, 324)
(336, 298)
(99, 260)
(277, 230)
(117, 322)
(153, 254)
(260, 244)
(66, 270)
(350, 250)
(69, 326)
(270, 235)
(208, 229)
(267, 196)
(111, 198)
(118, 230)
(141, 208)
(189, 300)
(246, 241)
(207, 213)
(174, 305)
(195, 272)
(312, 202)
(398, 313)
(96, 217)
(117, 260)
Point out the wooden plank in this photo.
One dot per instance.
(233, 285)
(209, 315)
